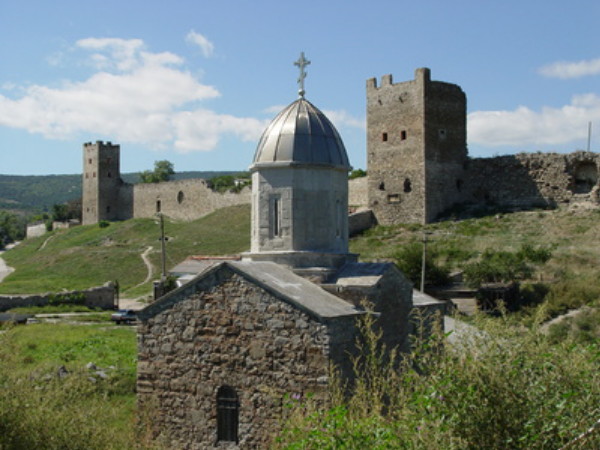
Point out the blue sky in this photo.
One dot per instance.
(196, 82)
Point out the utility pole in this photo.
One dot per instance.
(423, 262)
(163, 275)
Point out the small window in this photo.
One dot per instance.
(275, 216)
(228, 412)
(109, 175)
(382, 186)
(89, 160)
(108, 209)
(403, 135)
(442, 133)
(87, 175)
(94, 175)
(407, 185)
(384, 137)
(459, 185)
(393, 198)
(158, 206)
(180, 197)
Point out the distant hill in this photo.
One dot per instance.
(36, 193)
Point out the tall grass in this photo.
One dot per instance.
(50, 400)
(500, 388)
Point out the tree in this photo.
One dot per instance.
(162, 172)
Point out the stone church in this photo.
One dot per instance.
(219, 355)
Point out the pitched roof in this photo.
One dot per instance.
(277, 280)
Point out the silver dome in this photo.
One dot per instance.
(301, 134)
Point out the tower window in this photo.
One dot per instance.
(382, 186)
(108, 209)
(87, 175)
(89, 160)
(94, 175)
(109, 175)
(228, 412)
(158, 206)
(384, 137)
(393, 198)
(403, 135)
(407, 185)
(180, 197)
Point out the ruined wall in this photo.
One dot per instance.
(534, 179)
(238, 335)
(183, 199)
(96, 297)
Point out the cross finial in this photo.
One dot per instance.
(301, 63)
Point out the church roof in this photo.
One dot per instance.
(278, 280)
(301, 134)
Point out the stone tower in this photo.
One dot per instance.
(101, 182)
(416, 148)
(300, 191)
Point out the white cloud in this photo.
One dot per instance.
(135, 96)
(342, 118)
(565, 69)
(205, 45)
(524, 127)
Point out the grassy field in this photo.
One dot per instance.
(90, 256)
(50, 399)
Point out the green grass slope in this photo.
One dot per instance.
(89, 255)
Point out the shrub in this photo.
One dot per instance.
(409, 260)
(103, 223)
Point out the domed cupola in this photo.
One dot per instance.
(300, 189)
(301, 134)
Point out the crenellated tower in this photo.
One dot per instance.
(101, 182)
(416, 147)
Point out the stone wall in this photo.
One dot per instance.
(96, 297)
(36, 230)
(183, 199)
(233, 334)
(534, 179)
(358, 192)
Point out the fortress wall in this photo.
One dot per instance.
(534, 179)
(183, 199)
(358, 192)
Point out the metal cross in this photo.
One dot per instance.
(301, 63)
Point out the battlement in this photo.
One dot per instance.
(422, 76)
(100, 145)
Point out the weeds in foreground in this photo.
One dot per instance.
(497, 387)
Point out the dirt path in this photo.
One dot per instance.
(148, 264)
(4, 269)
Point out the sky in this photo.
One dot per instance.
(196, 82)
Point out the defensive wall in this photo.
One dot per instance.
(533, 179)
(183, 199)
(97, 297)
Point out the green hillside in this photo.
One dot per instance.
(89, 255)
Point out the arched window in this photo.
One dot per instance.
(180, 197)
(228, 412)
